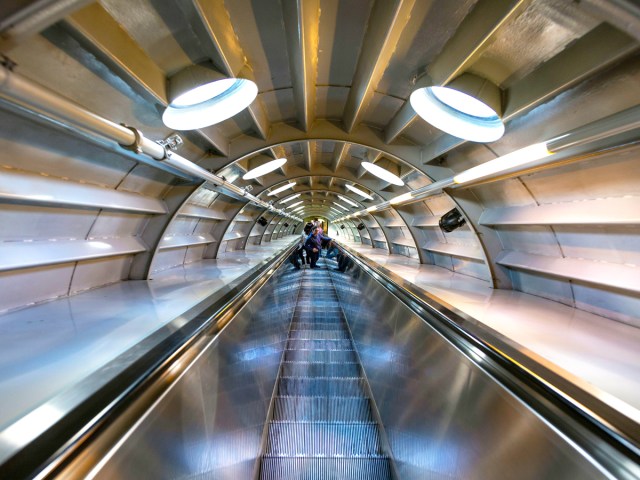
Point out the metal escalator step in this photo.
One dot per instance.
(318, 316)
(294, 344)
(323, 439)
(321, 387)
(328, 356)
(310, 468)
(302, 325)
(322, 409)
(319, 335)
(320, 369)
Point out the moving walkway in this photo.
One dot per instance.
(322, 374)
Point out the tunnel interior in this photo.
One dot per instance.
(115, 225)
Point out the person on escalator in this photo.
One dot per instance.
(313, 245)
(332, 250)
(299, 255)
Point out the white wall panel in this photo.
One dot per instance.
(195, 253)
(609, 303)
(204, 226)
(476, 269)
(23, 222)
(21, 288)
(539, 240)
(543, 286)
(165, 259)
(96, 273)
(613, 244)
(181, 226)
(118, 224)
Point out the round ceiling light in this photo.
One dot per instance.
(264, 169)
(359, 192)
(201, 96)
(383, 174)
(468, 108)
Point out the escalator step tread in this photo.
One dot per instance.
(318, 326)
(310, 468)
(319, 335)
(329, 356)
(320, 369)
(321, 386)
(337, 409)
(344, 344)
(324, 439)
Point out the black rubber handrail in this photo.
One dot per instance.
(605, 434)
(48, 454)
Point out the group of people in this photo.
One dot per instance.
(312, 241)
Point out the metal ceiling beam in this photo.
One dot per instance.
(470, 40)
(324, 130)
(96, 29)
(301, 24)
(309, 152)
(340, 154)
(600, 48)
(386, 23)
(221, 35)
(623, 14)
(33, 19)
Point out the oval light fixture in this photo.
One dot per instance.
(286, 200)
(282, 189)
(264, 169)
(295, 204)
(201, 96)
(469, 108)
(381, 173)
(347, 200)
(359, 192)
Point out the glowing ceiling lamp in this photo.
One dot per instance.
(383, 174)
(282, 189)
(349, 201)
(510, 161)
(359, 192)
(294, 204)
(264, 169)
(341, 206)
(287, 200)
(469, 107)
(201, 96)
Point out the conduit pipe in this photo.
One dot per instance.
(619, 123)
(37, 99)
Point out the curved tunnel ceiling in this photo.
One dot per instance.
(334, 85)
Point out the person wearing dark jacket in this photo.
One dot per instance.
(313, 245)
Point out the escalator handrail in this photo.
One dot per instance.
(573, 407)
(51, 451)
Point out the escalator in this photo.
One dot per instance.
(322, 425)
(319, 374)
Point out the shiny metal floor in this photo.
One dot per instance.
(322, 425)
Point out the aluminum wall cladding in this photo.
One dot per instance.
(113, 59)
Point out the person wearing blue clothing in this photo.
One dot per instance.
(313, 245)
(332, 250)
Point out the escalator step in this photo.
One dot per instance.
(319, 369)
(319, 335)
(327, 356)
(322, 409)
(302, 325)
(344, 344)
(323, 440)
(321, 387)
(305, 468)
